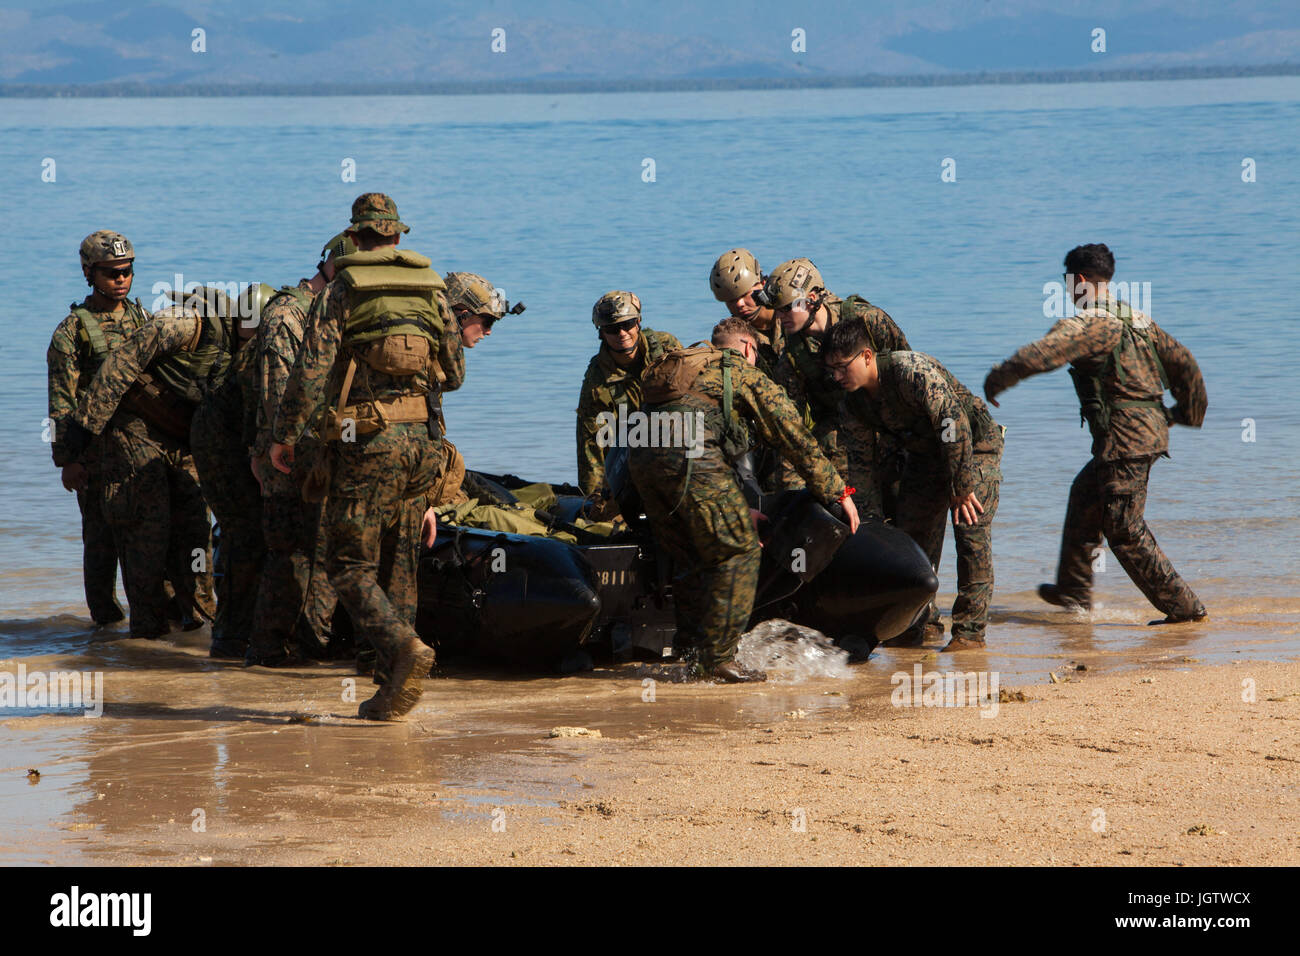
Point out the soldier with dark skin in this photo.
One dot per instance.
(954, 452)
(1121, 363)
(698, 513)
(613, 377)
(142, 402)
(93, 328)
(808, 313)
(295, 601)
(367, 355)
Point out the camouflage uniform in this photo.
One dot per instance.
(151, 487)
(77, 348)
(1108, 496)
(953, 447)
(295, 602)
(219, 438)
(375, 503)
(697, 512)
(605, 387)
(868, 463)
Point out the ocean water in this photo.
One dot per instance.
(552, 198)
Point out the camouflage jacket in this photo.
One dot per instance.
(1086, 340)
(279, 339)
(801, 373)
(156, 339)
(605, 387)
(72, 362)
(922, 406)
(451, 358)
(760, 411)
(316, 381)
(235, 400)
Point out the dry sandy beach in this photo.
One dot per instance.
(1150, 756)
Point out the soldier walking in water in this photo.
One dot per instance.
(1121, 363)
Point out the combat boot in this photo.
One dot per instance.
(404, 686)
(917, 634)
(732, 673)
(1072, 602)
(1198, 613)
(964, 644)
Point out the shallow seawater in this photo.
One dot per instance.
(545, 196)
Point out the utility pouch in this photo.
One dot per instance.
(398, 355)
(160, 406)
(1093, 409)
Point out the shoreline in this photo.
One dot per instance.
(198, 763)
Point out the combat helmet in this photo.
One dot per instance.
(734, 275)
(473, 292)
(791, 281)
(104, 246)
(251, 302)
(614, 307)
(340, 245)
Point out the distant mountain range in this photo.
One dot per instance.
(279, 45)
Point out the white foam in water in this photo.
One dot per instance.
(792, 653)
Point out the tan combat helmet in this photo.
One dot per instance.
(249, 306)
(104, 246)
(471, 291)
(791, 281)
(734, 275)
(340, 245)
(614, 307)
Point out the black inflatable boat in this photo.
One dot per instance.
(543, 603)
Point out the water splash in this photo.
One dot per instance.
(791, 653)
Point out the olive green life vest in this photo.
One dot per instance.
(91, 332)
(1096, 391)
(191, 372)
(390, 292)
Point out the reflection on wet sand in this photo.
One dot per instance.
(196, 760)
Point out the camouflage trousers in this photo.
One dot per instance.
(874, 466)
(295, 601)
(231, 492)
(1108, 499)
(372, 519)
(924, 512)
(152, 503)
(98, 556)
(707, 532)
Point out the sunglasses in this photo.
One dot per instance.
(116, 273)
(834, 367)
(616, 328)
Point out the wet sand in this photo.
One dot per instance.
(1150, 755)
